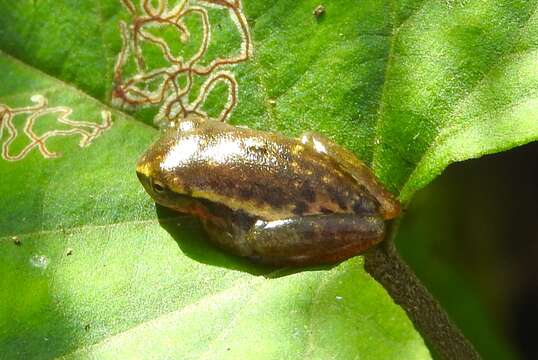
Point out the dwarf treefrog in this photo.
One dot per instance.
(264, 196)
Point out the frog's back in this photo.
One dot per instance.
(268, 175)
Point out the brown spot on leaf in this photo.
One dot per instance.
(319, 11)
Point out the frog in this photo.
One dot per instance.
(267, 197)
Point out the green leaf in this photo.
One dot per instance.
(87, 270)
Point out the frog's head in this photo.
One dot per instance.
(160, 182)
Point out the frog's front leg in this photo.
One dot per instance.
(356, 168)
(313, 239)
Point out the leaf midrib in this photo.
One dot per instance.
(183, 310)
(82, 228)
(376, 144)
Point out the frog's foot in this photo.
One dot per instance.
(314, 239)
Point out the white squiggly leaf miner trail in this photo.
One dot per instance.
(87, 131)
(172, 98)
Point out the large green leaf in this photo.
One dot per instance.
(88, 270)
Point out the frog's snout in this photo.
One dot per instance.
(140, 176)
(144, 180)
(144, 171)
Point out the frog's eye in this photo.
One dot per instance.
(157, 186)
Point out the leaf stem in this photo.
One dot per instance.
(385, 265)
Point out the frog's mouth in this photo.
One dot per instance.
(162, 195)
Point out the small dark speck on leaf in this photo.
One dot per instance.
(16, 240)
(69, 252)
(319, 11)
(251, 21)
(227, 349)
(87, 327)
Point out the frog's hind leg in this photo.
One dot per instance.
(314, 239)
(356, 168)
(323, 145)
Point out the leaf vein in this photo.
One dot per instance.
(390, 60)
